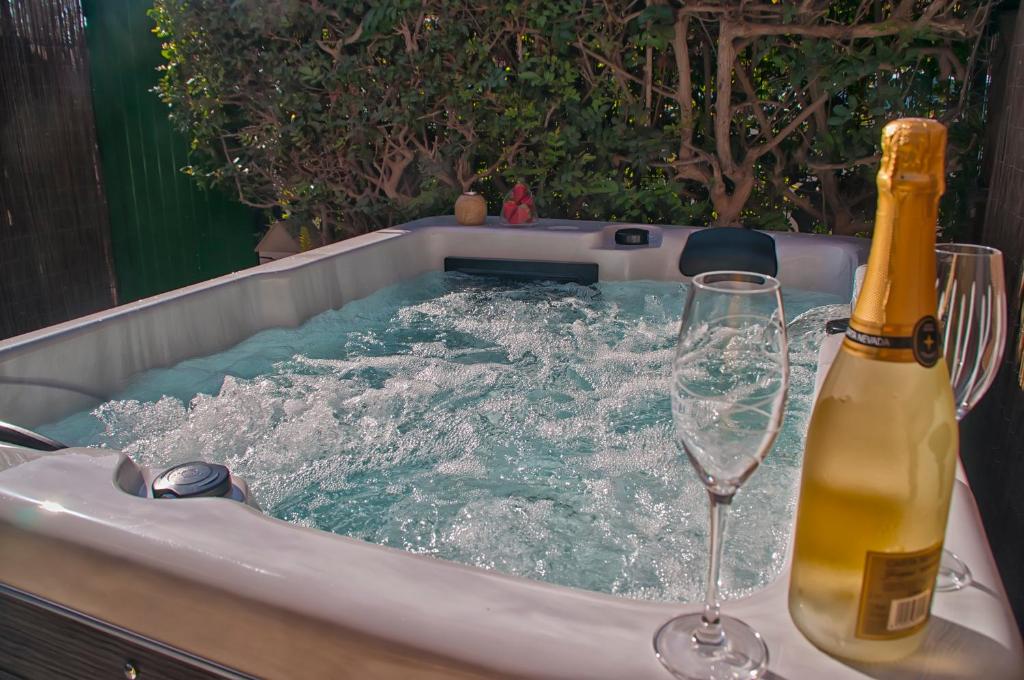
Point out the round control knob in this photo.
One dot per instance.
(191, 480)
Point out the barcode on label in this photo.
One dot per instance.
(907, 612)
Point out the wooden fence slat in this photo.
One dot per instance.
(55, 254)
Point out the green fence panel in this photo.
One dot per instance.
(165, 231)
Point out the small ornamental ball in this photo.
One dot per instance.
(517, 208)
(471, 209)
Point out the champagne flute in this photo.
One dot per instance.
(972, 311)
(729, 381)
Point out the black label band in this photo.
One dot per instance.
(880, 341)
(924, 343)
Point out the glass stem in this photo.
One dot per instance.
(710, 630)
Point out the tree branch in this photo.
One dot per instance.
(723, 96)
(238, 182)
(684, 83)
(793, 125)
(507, 155)
(335, 51)
(843, 165)
(622, 72)
(844, 32)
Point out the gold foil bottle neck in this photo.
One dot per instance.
(899, 286)
(913, 156)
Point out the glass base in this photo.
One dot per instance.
(741, 654)
(953, 573)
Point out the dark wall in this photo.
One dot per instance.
(993, 434)
(55, 258)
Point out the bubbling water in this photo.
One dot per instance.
(525, 428)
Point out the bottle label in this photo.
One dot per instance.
(896, 594)
(924, 343)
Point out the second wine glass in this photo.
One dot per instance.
(729, 381)
(972, 311)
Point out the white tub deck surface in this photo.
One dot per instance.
(222, 581)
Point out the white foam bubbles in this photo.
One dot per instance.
(523, 428)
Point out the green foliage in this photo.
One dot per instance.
(351, 115)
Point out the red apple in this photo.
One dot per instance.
(521, 215)
(507, 209)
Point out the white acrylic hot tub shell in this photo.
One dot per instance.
(99, 353)
(222, 581)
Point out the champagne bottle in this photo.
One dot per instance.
(881, 447)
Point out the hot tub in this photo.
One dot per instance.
(220, 588)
